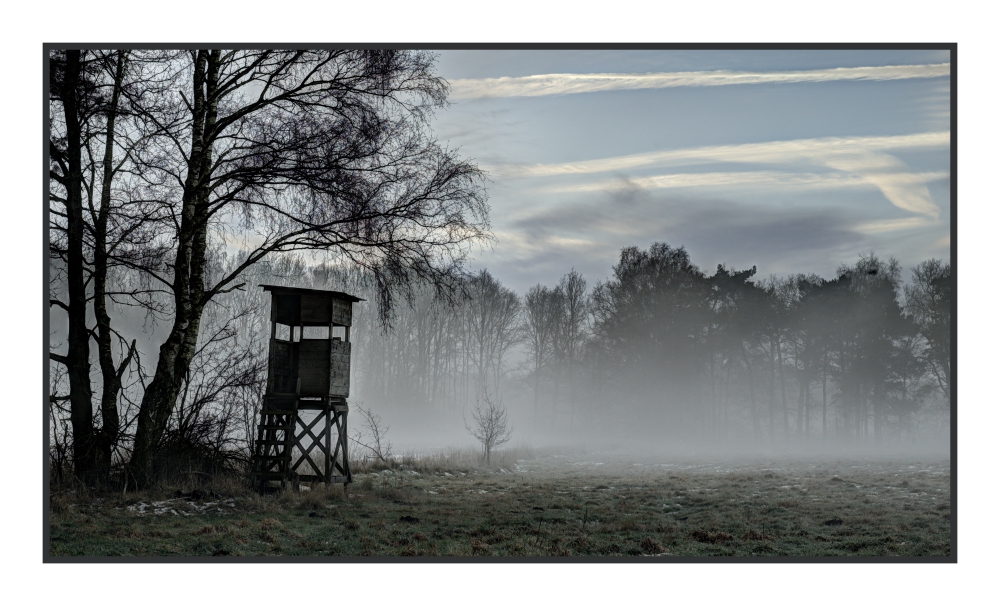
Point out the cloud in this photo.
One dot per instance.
(542, 243)
(889, 225)
(767, 152)
(766, 179)
(545, 243)
(563, 84)
(861, 160)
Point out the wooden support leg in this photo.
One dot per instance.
(329, 447)
(343, 439)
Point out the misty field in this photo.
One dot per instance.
(551, 505)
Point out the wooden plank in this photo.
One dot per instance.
(333, 479)
(270, 348)
(311, 405)
(283, 365)
(328, 462)
(314, 366)
(340, 368)
(342, 426)
(289, 308)
(316, 309)
(341, 312)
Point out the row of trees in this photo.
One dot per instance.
(663, 348)
(859, 355)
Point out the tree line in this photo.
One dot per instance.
(662, 349)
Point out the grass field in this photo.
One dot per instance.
(552, 505)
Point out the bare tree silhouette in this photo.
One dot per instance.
(489, 424)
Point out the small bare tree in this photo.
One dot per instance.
(490, 425)
(376, 443)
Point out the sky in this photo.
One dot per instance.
(790, 161)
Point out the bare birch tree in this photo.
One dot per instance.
(489, 424)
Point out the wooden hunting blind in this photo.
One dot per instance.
(302, 435)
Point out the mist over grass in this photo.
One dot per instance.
(554, 503)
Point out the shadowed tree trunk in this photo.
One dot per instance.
(189, 275)
(107, 437)
(77, 359)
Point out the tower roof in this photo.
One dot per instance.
(293, 290)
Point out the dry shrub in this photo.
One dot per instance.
(316, 496)
(651, 545)
(753, 535)
(788, 503)
(479, 547)
(59, 502)
(704, 536)
(267, 523)
(127, 532)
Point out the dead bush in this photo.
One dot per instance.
(651, 545)
(753, 535)
(704, 536)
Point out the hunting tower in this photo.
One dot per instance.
(302, 435)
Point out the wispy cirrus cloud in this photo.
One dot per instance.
(890, 225)
(842, 149)
(565, 84)
(829, 180)
(858, 161)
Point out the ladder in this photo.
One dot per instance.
(272, 458)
